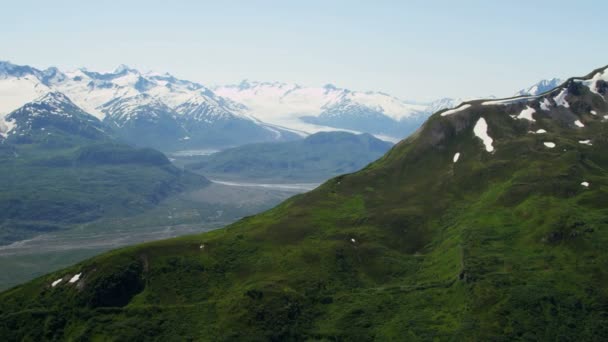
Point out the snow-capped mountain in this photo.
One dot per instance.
(18, 86)
(47, 115)
(314, 109)
(143, 120)
(540, 87)
(148, 109)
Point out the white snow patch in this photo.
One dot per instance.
(549, 144)
(75, 278)
(456, 110)
(456, 156)
(545, 104)
(481, 131)
(353, 240)
(585, 184)
(592, 83)
(593, 112)
(6, 126)
(560, 99)
(579, 123)
(56, 282)
(527, 114)
(585, 142)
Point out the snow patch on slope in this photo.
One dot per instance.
(527, 114)
(592, 83)
(75, 278)
(505, 102)
(481, 131)
(456, 110)
(560, 99)
(6, 126)
(545, 105)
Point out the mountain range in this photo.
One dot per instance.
(314, 109)
(540, 87)
(488, 223)
(161, 111)
(152, 110)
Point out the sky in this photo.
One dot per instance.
(415, 50)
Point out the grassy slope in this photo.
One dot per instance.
(318, 157)
(498, 246)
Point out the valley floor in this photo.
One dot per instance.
(212, 207)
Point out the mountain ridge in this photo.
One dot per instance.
(93, 90)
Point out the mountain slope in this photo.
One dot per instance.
(488, 223)
(315, 158)
(143, 120)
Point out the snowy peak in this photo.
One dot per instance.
(54, 99)
(98, 92)
(141, 106)
(8, 69)
(52, 112)
(53, 103)
(540, 87)
(123, 69)
(52, 75)
(203, 109)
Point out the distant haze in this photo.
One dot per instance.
(413, 50)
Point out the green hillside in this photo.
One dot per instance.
(315, 158)
(49, 189)
(500, 245)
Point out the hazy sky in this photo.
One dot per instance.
(417, 50)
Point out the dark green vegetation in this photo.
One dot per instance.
(47, 189)
(498, 246)
(316, 158)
